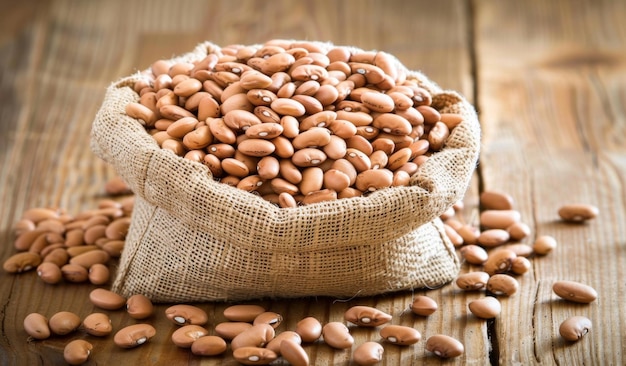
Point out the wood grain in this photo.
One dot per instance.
(547, 77)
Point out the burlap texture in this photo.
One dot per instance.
(194, 239)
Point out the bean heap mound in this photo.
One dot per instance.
(293, 122)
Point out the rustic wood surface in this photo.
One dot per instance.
(547, 77)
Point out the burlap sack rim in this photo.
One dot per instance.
(339, 207)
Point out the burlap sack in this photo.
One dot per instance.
(194, 239)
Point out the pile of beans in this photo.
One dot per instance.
(250, 330)
(494, 245)
(71, 248)
(292, 122)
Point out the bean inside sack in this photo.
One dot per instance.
(292, 122)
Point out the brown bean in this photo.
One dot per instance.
(313, 137)
(293, 353)
(319, 196)
(187, 334)
(134, 335)
(399, 158)
(254, 355)
(372, 73)
(74, 251)
(366, 316)
(22, 262)
(221, 131)
(140, 112)
(106, 299)
(574, 328)
(94, 233)
(336, 148)
(368, 353)
(308, 157)
(139, 306)
(356, 118)
(485, 308)
(336, 180)
(268, 317)
(374, 179)
(358, 159)
(256, 336)
(401, 178)
(229, 330)
(393, 124)
(51, 225)
(179, 128)
(575, 291)
(578, 212)
(64, 322)
(274, 344)
(337, 335)
(400, 335)
(95, 220)
(544, 244)
(520, 265)
(499, 219)
(88, 259)
(49, 273)
(38, 214)
(234, 167)
(518, 231)
(309, 329)
(243, 313)
(444, 346)
(423, 305)
(288, 107)
(57, 256)
(499, 261)
(99, 274)
(494, 200)
(26, 240)
(114, 248)
(252, 79)
(493, 237)
(343, 129)
(378, 102)
(50, 248)
(36, 325)
(452, 234)
(183, 314)
(118, 228)
(75, 273)
(472, 281)
(97, 324)
(502, 284)
(520, 249)
(77, 352)
(474, 254)
(209, 345)
(74, 237)
(438, 135)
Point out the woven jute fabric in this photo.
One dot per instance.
(194, 239)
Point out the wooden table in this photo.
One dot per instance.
(547, 77)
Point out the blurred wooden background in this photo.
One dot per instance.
(547, 77)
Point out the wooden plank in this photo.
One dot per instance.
(61, 55)
(550, 79)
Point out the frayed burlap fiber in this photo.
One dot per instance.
(194, 239)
